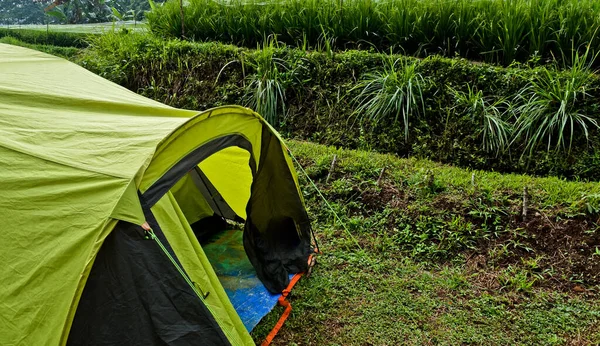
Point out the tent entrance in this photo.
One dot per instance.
(213, 199)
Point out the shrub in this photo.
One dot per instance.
(458, 112)
(51, 38)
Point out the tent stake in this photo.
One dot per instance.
(331, 168)
(525, 202)
(381, 175)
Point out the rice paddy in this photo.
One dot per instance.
(499, 31)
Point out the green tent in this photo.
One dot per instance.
(84, 163)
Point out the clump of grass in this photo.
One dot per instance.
(265, 88)
(395, 92)
(489, 113)
(549, 107)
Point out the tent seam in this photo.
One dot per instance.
(59, 162)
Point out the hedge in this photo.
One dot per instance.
(319, 99)
(42, 37)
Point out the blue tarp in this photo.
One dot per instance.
(248, 295)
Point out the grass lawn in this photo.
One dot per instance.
(428, 257)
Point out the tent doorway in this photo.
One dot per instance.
(213, 198)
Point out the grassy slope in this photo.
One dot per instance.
(432, 289)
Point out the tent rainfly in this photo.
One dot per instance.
(113, 212)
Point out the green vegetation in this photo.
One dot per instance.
(22, 12)
(540, 120)
(493, 30)
(265, 89)
(396, 90)
(52, 38)
(488, 113)
(443, 260)
(549, 107)
(65, 52)
(96, 28)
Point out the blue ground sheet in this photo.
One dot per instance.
(248, 295)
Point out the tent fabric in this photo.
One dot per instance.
(225, 166)
(277, 229)
(70, 145)
(211, 125)
(135, 296)
(171, 220)
(79, 153)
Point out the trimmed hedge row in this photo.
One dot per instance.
(52, 38)
(319, 99)
(65, 52)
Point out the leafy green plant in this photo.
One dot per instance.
(488, 113)
(549, 109)
(395, 92)
(517, 278)
(590, 203)
(264, 88)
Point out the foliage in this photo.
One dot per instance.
(52, 38)
(265, 88)
(14, 12)
(550, 107)
(19, 12)
(490, 114)
(394, 92)
(495, 30)
(461, 112)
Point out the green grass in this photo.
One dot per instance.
(402, 303)
(49, 38)
(467, 272)
(494, 30)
